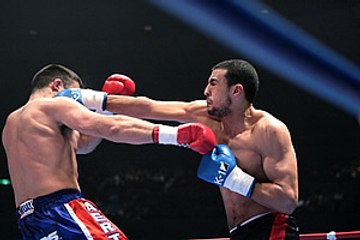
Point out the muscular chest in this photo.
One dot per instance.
(247, 152)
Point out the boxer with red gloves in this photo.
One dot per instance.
(42, 139)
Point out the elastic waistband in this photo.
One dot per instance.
(249, 220)
(45, 201)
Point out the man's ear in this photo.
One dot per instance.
(57, 85)
(237, 89)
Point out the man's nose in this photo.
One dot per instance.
(206, 91)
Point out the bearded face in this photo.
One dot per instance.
(223, 110)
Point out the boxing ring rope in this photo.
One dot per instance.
(316, 236)
(331, 235)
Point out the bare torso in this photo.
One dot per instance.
(40, 152)
(261, 144)
(246, 148)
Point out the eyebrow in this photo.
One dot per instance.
(212, 80)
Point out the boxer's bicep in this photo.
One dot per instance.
(146, 108)
(75, 116)
(178, 111)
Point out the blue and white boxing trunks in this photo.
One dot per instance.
(64, 215)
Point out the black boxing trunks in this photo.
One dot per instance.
(269, 226)
(64, 215)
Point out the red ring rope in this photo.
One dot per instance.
(315, 236)
(331, 235)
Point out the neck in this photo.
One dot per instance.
(41, 93)
(239, 121)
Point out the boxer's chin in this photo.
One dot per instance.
(212, 112)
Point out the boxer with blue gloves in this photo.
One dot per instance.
(260, 143)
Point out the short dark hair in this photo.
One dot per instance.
(52, 71)
(241, 71)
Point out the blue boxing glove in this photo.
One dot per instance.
(219, 167)
(93, 100)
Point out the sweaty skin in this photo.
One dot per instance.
(260, 142)
(42, 138)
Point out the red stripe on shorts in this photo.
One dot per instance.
(98, 225)
(278, 227)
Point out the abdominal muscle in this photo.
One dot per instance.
(239, 208)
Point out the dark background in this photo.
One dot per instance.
(151, 192)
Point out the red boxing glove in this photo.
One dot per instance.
(197, 136)
(119, 84)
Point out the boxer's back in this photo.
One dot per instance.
(40, 151)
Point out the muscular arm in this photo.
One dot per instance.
(117, 128)
(144, 107)
(280, 167)
(87, 144)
